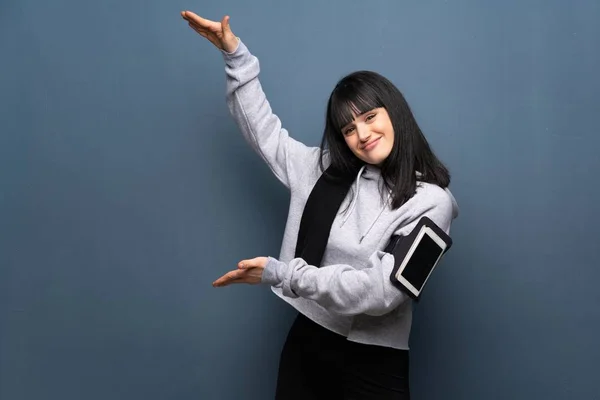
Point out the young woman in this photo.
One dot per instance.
(350, 340)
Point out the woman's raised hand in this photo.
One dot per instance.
(219, 33)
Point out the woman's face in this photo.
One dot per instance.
(370, 136)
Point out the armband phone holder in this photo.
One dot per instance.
(417, 255)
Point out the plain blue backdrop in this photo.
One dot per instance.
(126, 189)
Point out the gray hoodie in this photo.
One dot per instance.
(351, 294)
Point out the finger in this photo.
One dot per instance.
(200, 31)
(208, 35)
(187, 15)
(197, 27)
(198, 20)
(235, 274)
(229, 282)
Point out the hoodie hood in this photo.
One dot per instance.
(455, 209)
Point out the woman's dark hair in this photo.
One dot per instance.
(361, 92)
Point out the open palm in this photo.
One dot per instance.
(218, 33)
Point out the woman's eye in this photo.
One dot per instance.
(348, 131)
(370, 117)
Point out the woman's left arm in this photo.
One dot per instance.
(340, 288)
(344, 289)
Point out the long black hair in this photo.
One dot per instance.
(360, 92)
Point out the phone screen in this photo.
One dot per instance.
(421, 262)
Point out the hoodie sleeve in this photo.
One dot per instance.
(261, 128)
(345, 290)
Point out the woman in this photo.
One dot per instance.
(350, 340)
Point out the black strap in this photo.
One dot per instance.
(319, 212)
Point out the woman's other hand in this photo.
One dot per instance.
(218, 33)
(248, 271)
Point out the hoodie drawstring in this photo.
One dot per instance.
(377, 218)
(355, 195)
(354, 201)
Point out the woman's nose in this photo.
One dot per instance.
(363, 133)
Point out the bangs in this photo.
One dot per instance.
(351, 99)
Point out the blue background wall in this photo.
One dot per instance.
(125, 190)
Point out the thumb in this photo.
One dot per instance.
(225, 25)
(259, 262)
